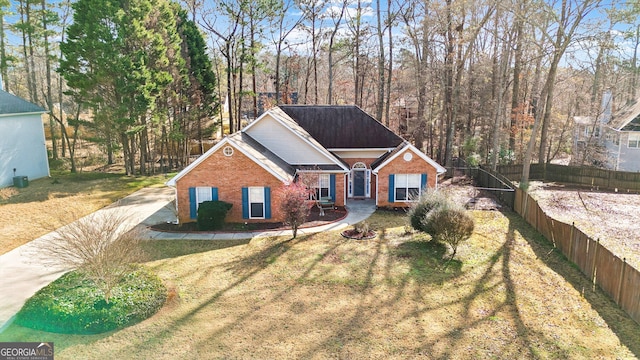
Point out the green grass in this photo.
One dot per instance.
(506, 296)
(74, 305)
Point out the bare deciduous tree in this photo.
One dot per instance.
(99, 246)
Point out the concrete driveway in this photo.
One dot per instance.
(22, 273)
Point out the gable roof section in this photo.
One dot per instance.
(401, 149)
(11, 105)
(627, 118)
(284, 119)
(342, 127)
(250, 148)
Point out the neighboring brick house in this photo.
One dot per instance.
(345, 151)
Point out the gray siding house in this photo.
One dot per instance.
(22, 141)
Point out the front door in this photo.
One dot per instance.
(358, 182)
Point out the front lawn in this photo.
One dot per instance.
(46, 204)
(323, 296)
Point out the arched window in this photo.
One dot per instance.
(359, 165)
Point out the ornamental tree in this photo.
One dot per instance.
(294, 205)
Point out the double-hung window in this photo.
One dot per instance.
(203, 194)
(634, 140)
(407, 187)
(256, 203)
(322, 189)
(198, 195)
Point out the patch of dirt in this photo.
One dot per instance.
(462, 191)
(356, 235)
(611, 217)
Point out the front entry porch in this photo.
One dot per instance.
(359, 181)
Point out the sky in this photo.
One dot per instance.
(298, 41)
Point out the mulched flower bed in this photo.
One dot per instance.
(356, 235)
(314, 219)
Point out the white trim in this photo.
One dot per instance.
(377, 188)
(314, 144)
(361, 149)
(423, 156)
(298, 171)
(173, 181)
(406, 187)
(264, 208)
(24, 113)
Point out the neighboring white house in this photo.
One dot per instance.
(22, 141)
(622, 138)
(612, 139)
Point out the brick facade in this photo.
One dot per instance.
(229, 174)
(400, 166)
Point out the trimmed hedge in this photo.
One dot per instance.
(211, 214)
(74, 305)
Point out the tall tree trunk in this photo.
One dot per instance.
(49, 95)
(230, 97)
(381, 63)
(448, 85)
(23, 8)
(634, 66)
(516, 109)
(3, 54)
(390, 68)
(31, 59)
(330, 54)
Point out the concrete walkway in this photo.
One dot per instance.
(22, 272)
(357, 210)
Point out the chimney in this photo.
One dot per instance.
(605, 117)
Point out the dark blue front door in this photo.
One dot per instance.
(358, 183)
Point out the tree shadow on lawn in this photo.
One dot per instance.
(166, 249)
(427, 260)
(619, 322)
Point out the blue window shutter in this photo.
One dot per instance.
(423, 181)
(245, 203)
(332, 187)
(193, 206)
(392, 195)
(267, 203)
(214, 194)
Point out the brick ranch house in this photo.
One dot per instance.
(345, 151)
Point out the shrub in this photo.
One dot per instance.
(429, 200)
(449, 223)
(211, 214)
(361, 228)
(74, 304)
(100, 246)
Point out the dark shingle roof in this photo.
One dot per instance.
(10, 104)
(342, 127)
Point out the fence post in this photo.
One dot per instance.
(621, 281)
(593, 265)
(569, 254)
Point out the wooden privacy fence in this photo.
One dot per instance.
(587, 176)
(617, 278)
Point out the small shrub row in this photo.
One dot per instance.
(74, 305)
